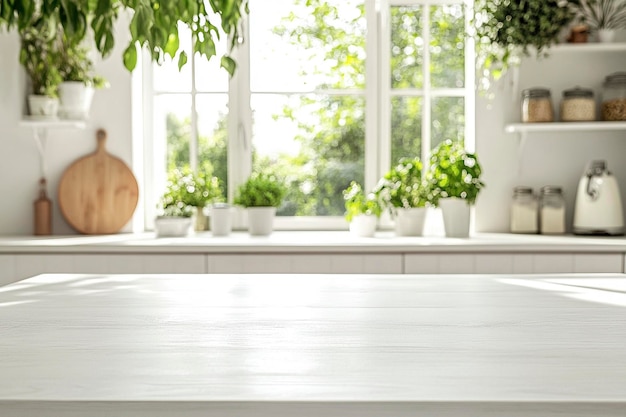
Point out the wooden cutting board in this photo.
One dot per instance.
(98, 193)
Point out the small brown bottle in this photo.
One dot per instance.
(43, 211)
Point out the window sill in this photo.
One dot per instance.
(286, 242)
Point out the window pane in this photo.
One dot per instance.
(173, 123)
(307, 46)
(212, 112)
(447, 46)
(407, 45)
(315, 142)
(448, 120)
(210, 77)
(406, 128)
(166, 76)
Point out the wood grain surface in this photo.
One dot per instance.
(98, 193)
(313, 345)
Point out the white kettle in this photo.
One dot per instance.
(598, 209)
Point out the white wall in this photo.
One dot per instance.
(19, 161)
(543, 159)
(556, 159)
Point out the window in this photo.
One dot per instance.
(326, 92)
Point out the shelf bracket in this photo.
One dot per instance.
(40, 135)
(521, 143)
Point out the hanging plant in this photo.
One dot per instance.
(507, 30)
(154, 24)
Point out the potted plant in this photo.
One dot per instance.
(507, 30)
(39, 58)
(184, 199)
(260, 195)
(405, 194)
(76, 69)
(175, 218)
(362, 211)
(454, 181)
(195, 190)
(603, 17)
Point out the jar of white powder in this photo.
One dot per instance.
(524, 211)
(578, 105)
(551, 211)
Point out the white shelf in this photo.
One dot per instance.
(587, 47)
(40, 127)
(564, 127)
(37, 123)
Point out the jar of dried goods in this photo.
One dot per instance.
(551, 211)
(524, 211)
(578, 105)
(614, 97)
(537, 105)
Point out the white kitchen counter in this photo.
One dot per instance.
(310, 242)
(313, 345)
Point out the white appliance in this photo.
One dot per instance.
(598, 209)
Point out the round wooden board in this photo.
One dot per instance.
(98, 193)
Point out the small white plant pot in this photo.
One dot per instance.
(43, 106)
(171, 226)
(410, 221)
(220, 216)
(363, 225)
(261, 220)
(75, 100)
(606, 35)
(456, 216)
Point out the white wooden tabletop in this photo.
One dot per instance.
(313, 345)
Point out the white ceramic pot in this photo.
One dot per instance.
(410, 221)
(171, 226)
(261, 220)
(43, 106)
(364, 225)
(456, 216)
(75, 100)
(221, 219)
(606, 35)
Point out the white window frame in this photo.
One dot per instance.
(378, 94)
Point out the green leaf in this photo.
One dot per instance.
(182, 60)
(130, 57)
(109, 43)
(171, 47)
(228, 64)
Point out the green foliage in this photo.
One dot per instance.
(356, 202)
(39, 58)
(185, 189)
(505, 30)
(454, 172)
(602, 14)
(402, 186)
(260, 190)
(154, 24)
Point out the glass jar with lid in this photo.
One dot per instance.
(578, 105)
(537, 105)
(551, 210)
(614, 97)
(524, 211)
